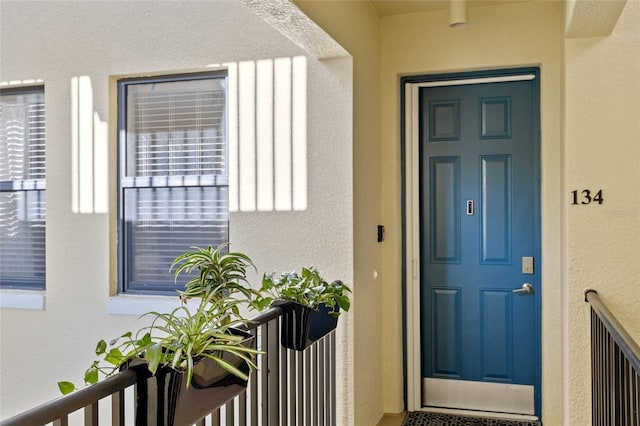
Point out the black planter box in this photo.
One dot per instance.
(301, 325)
(164, 399)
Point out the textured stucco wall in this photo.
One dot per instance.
(57, 41)
(602, 153)
(354, 24)
(496, 37)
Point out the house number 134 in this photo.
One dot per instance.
(586, 197)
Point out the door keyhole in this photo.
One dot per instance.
(470, 209)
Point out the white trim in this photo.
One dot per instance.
(22, 299)
(506, 416)
(412, 188)
(13, 84)
(138, 305)
(480, 80)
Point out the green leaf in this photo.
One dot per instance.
(91, 375)
(261, 304)
(101, 347)
(177, 357)
(114, 356)
(145, 341)
(66, 387)
(154, 356)
(189, 368)
(343, 302)
(231, 369)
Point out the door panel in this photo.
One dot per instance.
(497, 342)
(445, 209)
(447, 332)
(477, 221)
(495, 198)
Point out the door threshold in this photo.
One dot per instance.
(486, 414)
(487, 397)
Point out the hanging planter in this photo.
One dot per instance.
(302, 325)
(165, 398)
(310, 306)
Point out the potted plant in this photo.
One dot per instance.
(310, 305)
(192, 361)
(188, 360)
(223, 273)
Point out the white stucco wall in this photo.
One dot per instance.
(528, 34)
(59, 41)
(602, 134)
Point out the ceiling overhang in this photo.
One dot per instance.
(592, 18)
(289, 20)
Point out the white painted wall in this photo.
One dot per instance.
(58, 41)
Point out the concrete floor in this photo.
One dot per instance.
(391, 420)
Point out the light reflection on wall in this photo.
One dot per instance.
(89, 151)
(267, 101)
(268, 135)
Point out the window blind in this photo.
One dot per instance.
(22, 188)
(174, 180)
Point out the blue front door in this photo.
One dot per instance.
(479, 220)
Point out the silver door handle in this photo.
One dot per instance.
(526, 289)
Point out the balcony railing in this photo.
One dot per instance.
(615, 369)
(295, 388)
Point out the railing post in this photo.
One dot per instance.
(91, 414)
(306, 379)
(323, 389)
(332, 364)
(273, 374)
(117, 408)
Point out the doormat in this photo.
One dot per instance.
(439, 419)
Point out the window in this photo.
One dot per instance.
(173, 175)
(22, 188)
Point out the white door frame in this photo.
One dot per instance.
(412, 226)
(412, 245)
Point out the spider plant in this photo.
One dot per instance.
(219, 270)
(179, 340)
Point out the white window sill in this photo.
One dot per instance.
(22, 299)
(138, 305)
